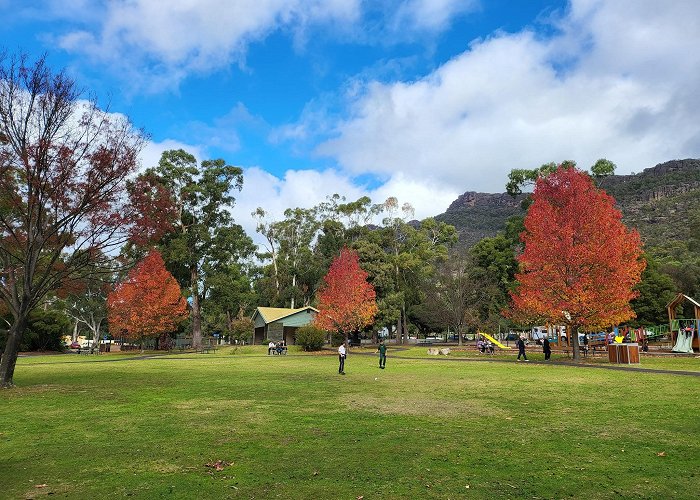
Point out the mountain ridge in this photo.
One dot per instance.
(658, 202)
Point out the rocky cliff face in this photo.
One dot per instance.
(473, 199)
(659, 202)
(664, 180)
(478, 215)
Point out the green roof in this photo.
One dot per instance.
(270, 314)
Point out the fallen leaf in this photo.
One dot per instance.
(360, 497)
(661, 454)
(315, 473)
(218, 465)
(40, 485)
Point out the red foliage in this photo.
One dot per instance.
(148, 303)
(579, 258)
(154, 210)
(346, 301)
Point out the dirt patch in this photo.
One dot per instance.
(424, 406)
(250, 410)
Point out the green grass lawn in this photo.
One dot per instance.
(291, 427)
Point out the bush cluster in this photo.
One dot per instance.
(310, 338)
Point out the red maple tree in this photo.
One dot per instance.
(346, 301)
(148, 303)
(580, 263)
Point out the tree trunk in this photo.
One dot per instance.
(399, 330)
(573, 335)
(196, 312)
(9, 356)
(459, 335)
(404, 326)
(74, 337)
(294, 285)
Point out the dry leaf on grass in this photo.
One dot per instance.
(661, 454)
(40, 485)
(218, 465)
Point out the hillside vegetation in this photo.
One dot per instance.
(660, 202)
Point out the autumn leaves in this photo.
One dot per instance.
(148, 303)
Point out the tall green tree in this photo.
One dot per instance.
(204, 238)
(411, 251)
(655, 290)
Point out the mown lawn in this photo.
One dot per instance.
(291, 427)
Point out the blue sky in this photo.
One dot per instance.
(418, 99)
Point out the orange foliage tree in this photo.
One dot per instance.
(346, 301)
(148, 303)
(580, 263)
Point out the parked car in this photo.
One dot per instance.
(74, 345)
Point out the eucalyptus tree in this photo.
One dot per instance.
(204, 237)
(300, 246)
(86, 299)
(411, 250)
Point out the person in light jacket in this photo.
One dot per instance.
(341, 358)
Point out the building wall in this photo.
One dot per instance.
(259, 321)
(275, 331)
(302, 318)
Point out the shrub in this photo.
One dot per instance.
(310, 338)
(337, 339)
(44, 332)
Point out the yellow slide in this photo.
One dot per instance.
(493, 340)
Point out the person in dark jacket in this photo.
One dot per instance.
(382, 355)
(546, 348)
(521, 349)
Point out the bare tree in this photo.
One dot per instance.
(455, 296)
(64, 164)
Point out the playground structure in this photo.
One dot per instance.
(684, 331)
(493, 340)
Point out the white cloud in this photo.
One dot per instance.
(152, 151)
(430, 15)
(619, 81)
(307, 188)
(298, 188)
(161, 44)
(155, 46)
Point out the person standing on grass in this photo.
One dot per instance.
(382, 355)
(341, 358)
(546, 349)
(521, 349)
